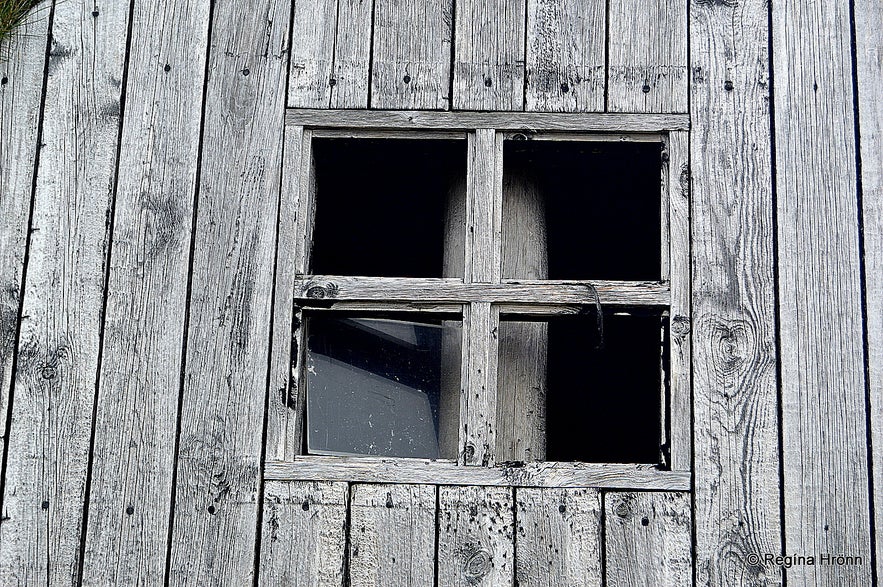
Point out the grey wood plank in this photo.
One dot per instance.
(680, 367)
(536, 474)
(411, 66)
(647, 539)
(311, 68)
(322, 290)
(824, 432)
(392, 535)
(226, 375)
(21, 89)
(647, 46)
(558, 537)
(736, 453)
(489, 55)
(352, 54)
(869, 71)
(478, 398)
(519, 121)
(566, 46)
(303, 538)
(59, 347)
(139, 382)
(475, 536)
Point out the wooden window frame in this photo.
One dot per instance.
(483, 295)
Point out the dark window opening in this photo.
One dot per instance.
(602, 205)
(380, 205)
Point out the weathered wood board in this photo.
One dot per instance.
(136, 421)
(226, 373)
(647, 539)
(647, 60)
(824, 422)
(475, 536)
(352, 53)
(58, 353)
(303, 534)
(392, 535)
(411, 64)
(558, 537)
(735, 407)
(566, 53)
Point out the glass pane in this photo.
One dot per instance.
(382, 205)
(384, 387)
(568, 394)
(581, 210)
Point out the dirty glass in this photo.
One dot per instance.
(381, 386)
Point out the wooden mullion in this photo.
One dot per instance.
(478, 401)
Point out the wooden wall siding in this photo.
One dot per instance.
(647, 539)
(489, 55)
(21, 85)
(869, 61)
(304, 534)
(411, 67)
(227, 349)
(735, 436)
(566, 47)
(820, 293)
(137, 411)
(558, 537)
(57, 356)
(392, 535)
(330, 52)
(647, 45)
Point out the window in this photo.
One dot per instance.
(475, 289)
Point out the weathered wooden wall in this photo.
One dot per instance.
(141, 150)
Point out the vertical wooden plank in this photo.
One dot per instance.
(647, 68)
(59, 345)
(869, 71)
(478, 400)
(647, 539)
(139, 381)
(736, 454)
(489, 55)
(21, 91)
(565, 55)
(304, 533)
(313, 28)
(484, 207)
(352, 53)
(678, 189)
(558, 537)
(392, 535)
(475, 536)
(412, 55)
(823, 380)
(226, 376)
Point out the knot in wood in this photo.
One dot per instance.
(316, 292)
(477, 565)
(680, 326)
(622, 510)
(48, 372)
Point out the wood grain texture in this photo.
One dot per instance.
(313, 29)
(419, 471)
(139, 382)
(647, 44)
(352, 54)
(303, 538)
(392, 535)
(647, 539)
(478, 398)
(565, 55)
(824, 430)
(558, 537)
(519, 121)
(411, 64)
(226, 376)
(489, 55)
(869, 71)
(58, 353)
(475, 536)
(736, 452)
(21, 91)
